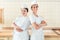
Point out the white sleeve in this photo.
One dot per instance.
(16, 19)
(17, 22)
(41, 18)
(32, 19)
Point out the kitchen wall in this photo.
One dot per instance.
(49, 9)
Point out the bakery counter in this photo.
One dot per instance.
(6, 34)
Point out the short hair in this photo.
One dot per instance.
(26, 9)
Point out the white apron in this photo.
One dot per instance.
(36, 34)
(20, 35)
(23, 23)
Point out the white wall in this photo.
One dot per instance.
(49, 9)
(51, 12)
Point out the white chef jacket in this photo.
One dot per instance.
(22, 22)
(36, 34)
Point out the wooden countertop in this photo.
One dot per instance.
(6, 31)
(47, 28)
(9, 33)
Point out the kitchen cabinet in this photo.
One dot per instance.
(52, 38)
(3, 38)
(7, 33)
(1, 15)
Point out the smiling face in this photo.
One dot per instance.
(34, 8)
(24, 11)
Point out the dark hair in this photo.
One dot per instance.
(26, 9)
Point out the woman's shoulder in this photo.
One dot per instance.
(18, 17)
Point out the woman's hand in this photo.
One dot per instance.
(19, 30)
(37, 27)
(43, 23)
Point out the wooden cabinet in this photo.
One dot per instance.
(52, 38)
(1, 15)
(3, 38)
(6, 38)
(51, 35)
(7, 34)
(10, 38)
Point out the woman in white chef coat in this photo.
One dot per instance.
(37, 23)
(20, 25)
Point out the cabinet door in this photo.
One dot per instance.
(3, 38)
(51, 38)
(10, 38)
(1, 15)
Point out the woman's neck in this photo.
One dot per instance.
(24, 15)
